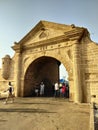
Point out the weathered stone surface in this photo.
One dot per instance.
(39, 54)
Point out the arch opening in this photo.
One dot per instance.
(64, 79)
(43, 69)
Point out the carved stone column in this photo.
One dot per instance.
(18, 73)
(77, 73)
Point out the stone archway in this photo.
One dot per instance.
(44, 69)
(60, 44)
(67, 44)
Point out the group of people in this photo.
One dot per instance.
(61, 90)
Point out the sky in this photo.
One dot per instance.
(18, 17)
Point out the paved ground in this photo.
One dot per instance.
(44, 114)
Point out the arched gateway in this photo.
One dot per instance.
(39, 54)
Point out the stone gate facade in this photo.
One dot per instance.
(38, 56)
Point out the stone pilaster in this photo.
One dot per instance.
(17, 73)
(77, 73)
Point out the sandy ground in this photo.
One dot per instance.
(43, 114)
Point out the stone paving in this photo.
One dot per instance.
(44, 114)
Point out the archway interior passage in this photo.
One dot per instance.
(43, 69)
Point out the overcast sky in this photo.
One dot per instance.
(18, 17)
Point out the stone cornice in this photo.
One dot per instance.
(17, 47)
(70, 36)
(45, 24)
(41, 25)
(32, 32)
(74, 33)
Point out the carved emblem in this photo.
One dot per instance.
(44, 33)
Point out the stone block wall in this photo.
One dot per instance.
(3, 81)
(90, 66)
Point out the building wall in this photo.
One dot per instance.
(90, 65)
(66, 44)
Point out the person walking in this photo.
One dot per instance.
(10, 95)
(60, 89)
(56, 87)
(36, 91)
(63, 90)
(42, 88)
